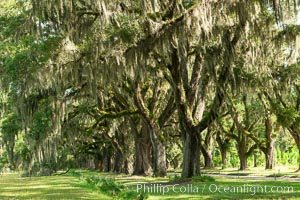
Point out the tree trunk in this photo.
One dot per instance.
(207, 149)
(207, 154)
(270, 159)
(297, 141)
(224, 157)
(142, 160)
(191, 155)
(118, 162)
(98, 162)
(159, 152)
(254, 160)
(175, 162)
(142, 154)
(298, 157)
(11, 156)
(296, 137)
(107, 162)
(223, 146)
(242, 152)
(269, 153)
(243, 161)
(270, 144)
(159, 158)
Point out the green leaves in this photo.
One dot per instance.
(41, 121)
(123, 29)
(10, 126)
(287, 116)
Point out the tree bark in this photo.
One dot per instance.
(142, 158)
(191, 155)
(254, 160)
(159, 158)
(242, 152)
(296, 137)
(243, 161)
(207, 154)
(159, 152)
(118, 162)
(270, 158)
(107, 162)
(269, 154)
(298, 157)
(223, 146)
(207, 149)
(142, 154)
(224, 157)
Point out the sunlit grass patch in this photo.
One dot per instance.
(76, 187)
(53, 187)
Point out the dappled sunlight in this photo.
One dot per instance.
(58, 187)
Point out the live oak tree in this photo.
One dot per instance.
(138, 64)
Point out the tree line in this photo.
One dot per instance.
(137, 86)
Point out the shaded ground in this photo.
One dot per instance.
(53, 187)
(225, 184)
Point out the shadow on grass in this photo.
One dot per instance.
(59, 187)
(239, 174)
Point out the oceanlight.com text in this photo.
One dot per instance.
(211, 189)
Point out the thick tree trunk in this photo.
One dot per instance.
(98, 162)
(11, 155)
(159, 158)
(11, 158)
(254, 160)
(269, 153)
(175, 162)
(298, 146)
(243, 161)
(223, 145)
(207, 149)
(191, 155)
(242, 150)
(296, 137)
(224, 157)
(298, 157)
(159, 152)
(207, 154)
(270, 158)
(142, 160)
(142, 154)
(107, 162)
(118, 162)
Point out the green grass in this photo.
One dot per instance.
(52, 187)
(207, 190)
(280, 171)
(73, 186)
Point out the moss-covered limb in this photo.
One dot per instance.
(229, 132)
(195, 77)
(228, 57)
(167, 111)
(107, 115)
(114, 143)
(143, 110)
(251, 150)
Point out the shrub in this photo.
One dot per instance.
(203, 178)
(110, 187)
(131, 194)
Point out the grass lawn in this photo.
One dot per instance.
(51, 187)
(74, 187)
